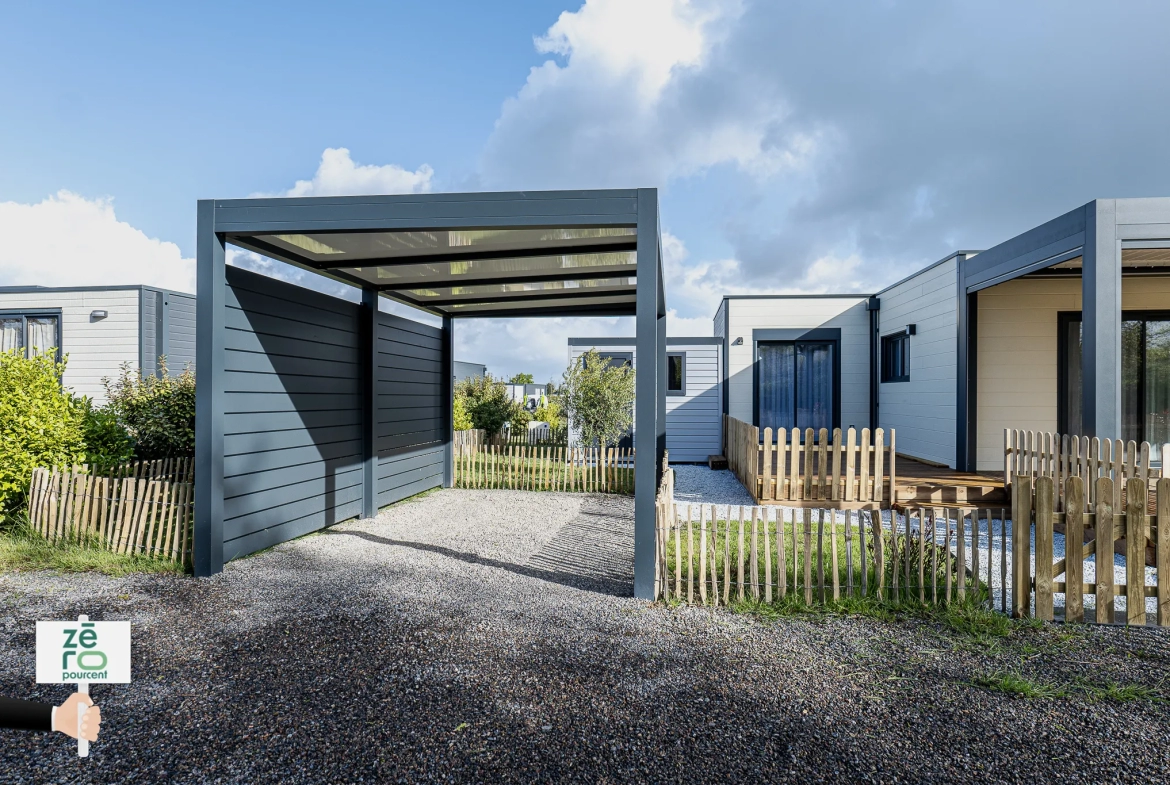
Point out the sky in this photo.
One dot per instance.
(798, 146)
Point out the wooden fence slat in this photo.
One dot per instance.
(1045, 502)
(727, 558)
(714, 557)
(861, 556)
(703, 554)
(836, 447)
(822, 463)
(739, 556)
(1104, 551)
(879, 556)
(1074, 544)
(795, 485)
(1021, 546)
(690, 559)
(766, 491)
(921, 555)
(763, 514)
(1135, 547)
(834, 566)
(849, 553)
(961, 553)
(755, 558)
(821, 553)
(1162, 547)
(934, 549)
(807, 556)
(863, 493)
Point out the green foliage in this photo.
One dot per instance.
(521, 378)
(22, 548)
(599, 398)
(106, 441)
(520, 420)
(550, 412)
(41, 423)
(487, 403)
(1017, 684)
(157, 411)
(462, 420)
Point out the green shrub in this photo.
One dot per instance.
(550, 412)
(487, 402)
(462, 420)
(599, 398)
(520, 420)
(157, 411)
(41, 423)
(106, 441)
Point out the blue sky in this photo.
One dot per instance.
(798, 146)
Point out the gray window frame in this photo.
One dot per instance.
(903, 337)
(26, 314)
(683, 390)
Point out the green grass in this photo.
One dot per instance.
(1015, 684)
(924, 585)
(22, 550)
(516, 473)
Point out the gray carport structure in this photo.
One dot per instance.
(311, 409)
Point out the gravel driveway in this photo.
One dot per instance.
(477, 636)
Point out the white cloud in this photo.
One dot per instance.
(634, 102)
(69, 240)
(339, 175)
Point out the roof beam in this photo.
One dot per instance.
(487, 254)
(519, 297)
(560, 274)
(603, 309)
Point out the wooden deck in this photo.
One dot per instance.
(921, 483)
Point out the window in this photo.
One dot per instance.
(1145, 377)
(896, 357)
(676, 373)
(797, 384)
(29, 333)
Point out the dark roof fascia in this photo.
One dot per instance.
(119, 288)
(706, 341)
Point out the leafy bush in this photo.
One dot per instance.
(462, 420)
(157, 411)
(106, 441)
(520, 420)
(41, 423)
(550, 412)
(487, 403)
(599, 398)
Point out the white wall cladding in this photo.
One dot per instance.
(847, 313)
(1018, 352)
(923, 410)
(693, 420)
(95, 349)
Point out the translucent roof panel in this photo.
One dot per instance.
(336, 249)
(602, 301)
(533, 267)
(521, 290)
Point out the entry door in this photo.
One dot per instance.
(795, 384)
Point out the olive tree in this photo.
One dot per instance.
(598, 398)
(485, 401)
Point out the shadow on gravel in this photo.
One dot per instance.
(565, 578)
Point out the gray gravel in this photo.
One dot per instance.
(478, 636)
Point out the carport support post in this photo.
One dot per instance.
(1101, 322)
(369, 329)
(210, 305)
(447, 390)
(651, 357)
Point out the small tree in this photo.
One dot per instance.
(598, 398)
(487, 403)
(521, 378)
(461, 419)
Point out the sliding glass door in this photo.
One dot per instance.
(1145, 378)
(795, 384)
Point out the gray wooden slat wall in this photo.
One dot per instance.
(167, 326)
(408, 410)
(293, 411)
(180, 331)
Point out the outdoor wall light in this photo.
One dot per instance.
(737, 342)
(911, 329)
(98, 315)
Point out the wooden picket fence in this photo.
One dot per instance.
(764, 554)
(845, 472)
(477, 437)
(545, 468)
(1090, 530)
(142, 507)
(1037, 454)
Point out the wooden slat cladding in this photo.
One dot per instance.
(821, 468)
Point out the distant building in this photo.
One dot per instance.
(99, 328)
(465, 371)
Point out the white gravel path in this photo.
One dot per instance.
(697, 485)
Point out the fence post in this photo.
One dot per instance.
(1021, 546)
(1162, 547)
(1103, 548)
(1074, 541)
(1135, 550)
(1045, 503)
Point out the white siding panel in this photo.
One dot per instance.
(922, 411)
(693, 421)
(95, 349)
(847, 313)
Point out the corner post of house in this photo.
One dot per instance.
(1101, 322)
(211, 301)
(651, 357)
(447, 391)
(369, 359)
(967, 373)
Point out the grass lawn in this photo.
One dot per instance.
(811, 558)
(22, 549)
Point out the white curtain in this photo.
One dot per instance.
(814, 381)
(42, 333)
(11, 334)
(777, 386)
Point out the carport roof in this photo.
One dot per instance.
(479, 254)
